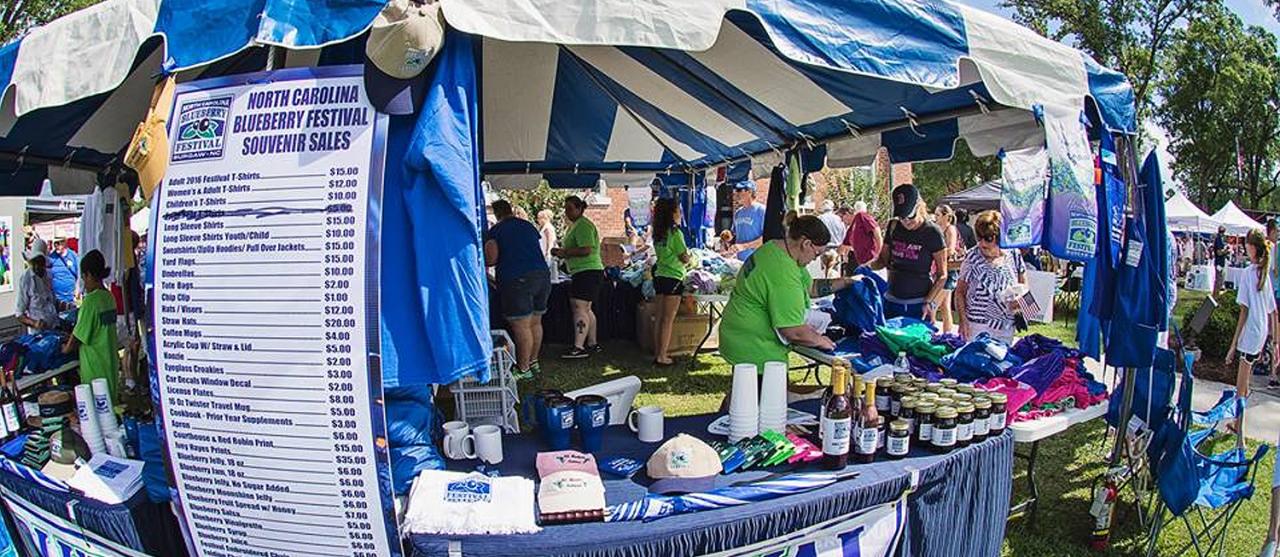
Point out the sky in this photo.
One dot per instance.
(1253, 12)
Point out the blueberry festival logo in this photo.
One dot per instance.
(472, 489)
(201, 129)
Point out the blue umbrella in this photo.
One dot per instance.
(654, 507)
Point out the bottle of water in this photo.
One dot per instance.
(903, 364)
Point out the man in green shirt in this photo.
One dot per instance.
(766, 312)
(580, 249)
(95, 331)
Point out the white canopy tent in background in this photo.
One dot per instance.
(1183, 216)
(1237, 223)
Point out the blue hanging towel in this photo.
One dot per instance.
(1140, 306)
(1098, 290)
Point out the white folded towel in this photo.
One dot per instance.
(454, 503)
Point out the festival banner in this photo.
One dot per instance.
(873, 532)
(1022, 199)
(1071, 215)
(264, 290)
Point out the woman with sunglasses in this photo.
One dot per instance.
(767, 309)
(915, 253)
(984, 275)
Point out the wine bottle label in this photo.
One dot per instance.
(926, 432)
(11, 419)
(898, 446)
(880, 435)
(944, 437)
(868, 440)
(982, 427)
(895, 406)
(835, 438)
(964, 432)
(998, 421)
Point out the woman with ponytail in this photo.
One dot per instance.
(1257, 320)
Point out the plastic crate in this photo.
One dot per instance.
(493, 402)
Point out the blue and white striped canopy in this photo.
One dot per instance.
(577, 90)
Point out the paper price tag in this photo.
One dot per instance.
(1133, 255)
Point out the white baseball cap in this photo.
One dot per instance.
(404, 38)
(570, 491)
(684, 464)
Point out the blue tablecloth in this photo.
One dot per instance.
(137, 524)
(959, 508)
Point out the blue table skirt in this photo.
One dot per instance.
(137, 524)
(959, 508)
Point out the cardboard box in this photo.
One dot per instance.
(686, 331)
(611, 252)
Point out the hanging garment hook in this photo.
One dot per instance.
(982, 102)
(66, 161)
(575, 168)
(911, 121)
(853, 130)
(22, 157)
(808, 140)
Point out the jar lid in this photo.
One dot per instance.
(946, 393)
(927, 396)
(965, 408)
(899, 388)
(966, 388)
(949, 382)
(981, 402)
(946, 412)
(899, 425)
(884, 382)
(910, 402)
(926, 408)
(998, 398)
(962, 397)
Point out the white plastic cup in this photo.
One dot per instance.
(104, 408)
(773, 396)
(89, 428)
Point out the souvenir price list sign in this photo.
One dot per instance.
(266, 316)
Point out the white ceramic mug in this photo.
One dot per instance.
(487, 441)
(458, 443)
(646, 422)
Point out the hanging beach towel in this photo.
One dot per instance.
(1071, 212)
(1022, 200)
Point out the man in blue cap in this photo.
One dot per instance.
(748, 219)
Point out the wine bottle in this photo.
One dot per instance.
(869, 427)
(9, 409)
(836, 418)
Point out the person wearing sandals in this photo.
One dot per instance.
(524, 282)
(668, 276)
(1257, 322)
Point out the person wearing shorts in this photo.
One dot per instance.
(668, 277)
(580, 250)
(524, 282)
(1257, 318)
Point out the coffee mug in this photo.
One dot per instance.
(557, 422)
(488, 443)
(457, 444)
(535, 405)
(646, 422)
(591, 416)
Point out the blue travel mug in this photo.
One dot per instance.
(557, 422)
(535, 405)
(592, 416)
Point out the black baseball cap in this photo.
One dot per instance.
(905, 199)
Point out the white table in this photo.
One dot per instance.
(715, 310)
(1029, 432)
(29, 381)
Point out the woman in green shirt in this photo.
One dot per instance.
(94, 335)
(766, 312)
(668, 278)
(580, 249)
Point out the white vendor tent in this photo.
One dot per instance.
(1237, 223)
(1184, 216)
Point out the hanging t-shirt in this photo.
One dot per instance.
(911, 259)
(1259, 302)
(582, 234)
(772, 293)
(669, 252)
(96, 330)
(518, 250)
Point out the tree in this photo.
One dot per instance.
(1221, 92)
(19, 16)
(1127, 35)
(963, 171)
(847, 186)
(543, 197)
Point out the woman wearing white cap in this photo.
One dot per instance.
(36, 306)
